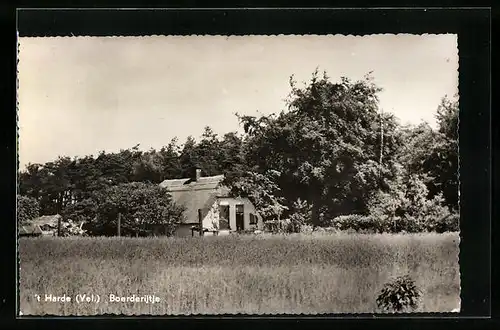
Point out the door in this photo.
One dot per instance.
(240, 217)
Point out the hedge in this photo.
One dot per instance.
(367, 223)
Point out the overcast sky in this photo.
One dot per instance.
(80, 95)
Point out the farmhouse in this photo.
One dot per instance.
(30, 231)
(207, 203)
(45, 225)
(48, 224)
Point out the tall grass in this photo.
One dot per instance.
(329, 273)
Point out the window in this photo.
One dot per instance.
(223, 217)
(253, 219)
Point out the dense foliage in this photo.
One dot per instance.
(70, 228)
(325, 147)
(27, 209)
(332, 149)
(140, 206)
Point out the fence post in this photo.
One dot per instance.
(118, 229)
(58, 226)
(200, 222)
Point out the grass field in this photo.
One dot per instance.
(324, 273)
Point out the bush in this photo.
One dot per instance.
(282, 226)
(399, 295)
(447, 223)
(301, 216)
(379, 224)
(142, 207)
(69, 228)
(406, 207)
(298, 222)
(360, 223)
(27, 209)
(407, 223)
(306, 229)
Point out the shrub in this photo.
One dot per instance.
(399, 295)
(69, 228)
(142, 206)
(300, 217)
(281, 226)
(447, 223)
(296, 222)
(343, 222)
(306, 229)
(360, 223)
(407, 223)
(406, 207)
(28, 209)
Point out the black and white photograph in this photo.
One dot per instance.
(238, 174)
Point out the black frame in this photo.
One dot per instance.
(240, 213)
(253, 219)
(474, 33)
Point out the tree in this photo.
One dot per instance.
(87, 177)
(116, 168)
(261, 190)
(148, 167)
(188, 158)
(58, 184)
(208, 153)
(30, 181)
(50, 184)
(27, 209)
(231, 155)
(406, 205)
(170, 162)
(140, 206)
(433, 154)
(445, 155)
(447, 117)
(322, 143)
(417, 142)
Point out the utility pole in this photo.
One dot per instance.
(58, 226)
(118, 229)
(200, 222)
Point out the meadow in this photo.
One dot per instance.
(264, 274)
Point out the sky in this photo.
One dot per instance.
(78, 96)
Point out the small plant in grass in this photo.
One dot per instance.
(399, 295)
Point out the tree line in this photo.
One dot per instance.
(332, 152)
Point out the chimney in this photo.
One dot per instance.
(198, 174)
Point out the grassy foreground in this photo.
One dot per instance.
(324, 273)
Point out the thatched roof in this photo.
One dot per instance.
(50, 220)
(194, 195)
(29, 230)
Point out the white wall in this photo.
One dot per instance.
(213, 214)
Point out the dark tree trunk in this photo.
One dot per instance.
(60, 201)
(315, 220)
(59, 227)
